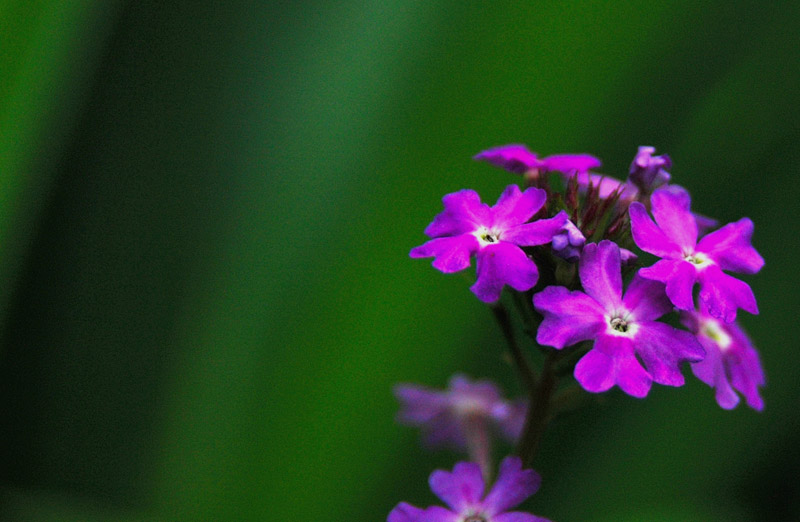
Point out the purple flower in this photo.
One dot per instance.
(731, 361)
(518, 159)
(494, 234)
(446, 416)
(569, 241)
(647, 171)
(462, 491)
(623, 327)
(686, 261)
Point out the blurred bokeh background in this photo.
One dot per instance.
(205, 215)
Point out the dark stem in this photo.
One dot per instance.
(540, 397)
(526, 372)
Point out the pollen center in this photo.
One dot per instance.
(696, 258)
(619, 324)
(487, 236)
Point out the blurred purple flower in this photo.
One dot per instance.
(494, 234)
(686, 261)
(518, 159)
(463, 492)
(446, 416)
(731, 361)
(622, 327)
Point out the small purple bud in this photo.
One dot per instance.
(647, 171)
(568, 242)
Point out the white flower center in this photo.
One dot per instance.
(474, 518)
(699, 259)
(712, 329)
(486, 236)
(621, 324)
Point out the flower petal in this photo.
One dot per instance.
(569, 317)
(671, 211)
(712, 372)
(646, 299)
(632, 378)
(536, 233)
(610, 362)
(680, 277)
(404, 512)
(680, 285)
(459, 489)
(648, 236)
(514, 158)
(503, 264)
(514, 207)
(730, 247)
(418, 404)
(663, 348)
(571, 162)
(438, 514)
(450, 254)
(463, 213)
(600, 273)
(723, 294)
(747, 375)
(512, 487)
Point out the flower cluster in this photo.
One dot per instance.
(629, 348)
(565, 245)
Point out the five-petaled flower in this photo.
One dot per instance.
(462, 491)
(447, 416)
(731, 361)
(622, 327)
(686, 261)
(494, 234)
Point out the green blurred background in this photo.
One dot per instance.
(205, 215)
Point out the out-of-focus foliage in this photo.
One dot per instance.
(205, 215)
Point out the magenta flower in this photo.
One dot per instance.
(622, 327)
(462, 491)
(731, 361)
(685, 261)
(518, 159)
(494, 234)
(447, 416)
(647, 171)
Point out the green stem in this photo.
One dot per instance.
(540, 397)
(526, 372)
